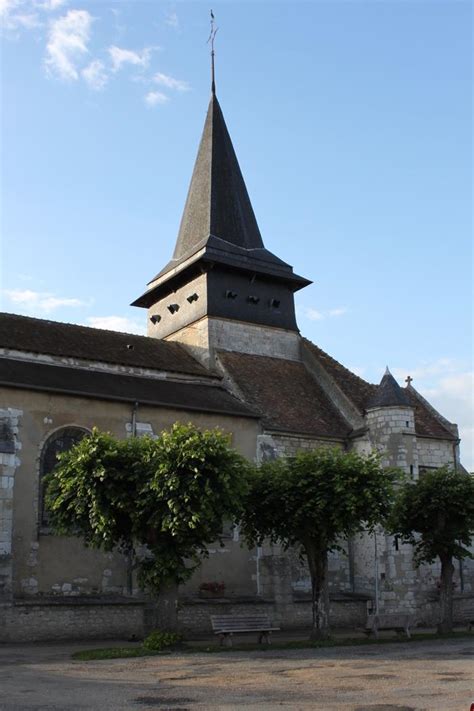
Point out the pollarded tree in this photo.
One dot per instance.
(313, 500)
(436, 515)
(170, 494)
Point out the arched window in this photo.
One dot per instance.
(60, 441)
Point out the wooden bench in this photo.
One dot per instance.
(399, 623)
(227, 625)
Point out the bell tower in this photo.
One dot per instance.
(221, 278)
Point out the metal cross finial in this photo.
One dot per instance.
(408, 380)
(211, 38)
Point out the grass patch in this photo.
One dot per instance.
(129, 652)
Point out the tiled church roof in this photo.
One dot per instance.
(285, 394)
(356, 389)
(119, 387)
(361, 394)
(35, 335)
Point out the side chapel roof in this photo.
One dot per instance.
(361, 393)
(285, 394)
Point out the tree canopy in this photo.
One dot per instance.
(436, 515)
(168, 496)
(312, 501)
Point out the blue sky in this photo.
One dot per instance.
(352, 124)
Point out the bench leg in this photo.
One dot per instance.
(226, 639)
(264, 638)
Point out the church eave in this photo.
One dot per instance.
(203, 261)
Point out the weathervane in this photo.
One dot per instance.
(210, 40)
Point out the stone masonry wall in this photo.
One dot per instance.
(435, 452)
(283, 576)
(392, 432)
(271, 446)
(9, 448)
(36, 622)
(194, 616)
(203, 338)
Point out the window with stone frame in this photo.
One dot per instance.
(59, 441)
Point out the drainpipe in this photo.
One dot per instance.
(134, 419)
(257, 571)
(376, 572)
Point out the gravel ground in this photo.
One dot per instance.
(402, 677)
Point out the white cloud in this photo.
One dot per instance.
(67, 43)
(120, 56)
(171, 19)
(17, 15)
(49, 5)
(449, 386)
(427, 369)
(337, 312)
(155, 97)
(7, 7)
(116, 323)
(32, 302)
(315, 315)
(170, 82)
(95, 75)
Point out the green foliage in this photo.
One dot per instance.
(436, 514)
(311, 501)
(320, 495)
(157, 640)
(169, 494)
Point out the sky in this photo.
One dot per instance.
(352, 124)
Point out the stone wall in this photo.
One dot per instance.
(392, 433)
(435, 452)
(9, 461)
(38, 620)
(272, 446)
(194, 615)
(204, 337)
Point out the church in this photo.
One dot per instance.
(222, 349)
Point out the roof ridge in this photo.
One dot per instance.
(73, 325)
(336, 362)
(450, 427)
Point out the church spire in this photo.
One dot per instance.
(219, 236)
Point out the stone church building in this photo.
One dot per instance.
(223, 349)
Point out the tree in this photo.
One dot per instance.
(311, 501)
(436, 515)
(169, 495)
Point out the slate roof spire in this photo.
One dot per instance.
(218, 223)
(388, 393)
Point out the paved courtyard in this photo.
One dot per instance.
(400, 677)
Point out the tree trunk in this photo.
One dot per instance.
(318, 568)
(445, 625)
